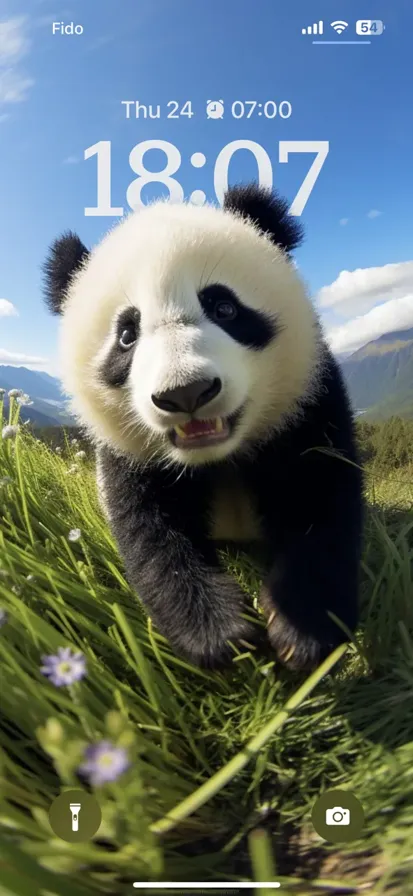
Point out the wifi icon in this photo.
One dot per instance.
(339, 27)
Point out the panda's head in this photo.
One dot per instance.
(186, 334)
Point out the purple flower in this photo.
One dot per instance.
(3, 617)
(104, 762)
(65, 667)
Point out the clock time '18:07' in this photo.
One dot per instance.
(165, 177)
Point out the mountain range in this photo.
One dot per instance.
(49, 406)
(379, 377)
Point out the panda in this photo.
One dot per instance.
(196, 362)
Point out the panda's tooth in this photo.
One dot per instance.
(219, 425)
(181, 432)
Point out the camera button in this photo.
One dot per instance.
(338, 816)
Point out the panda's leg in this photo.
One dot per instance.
(157, 518)
(315, 565)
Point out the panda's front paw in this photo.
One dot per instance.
(298, 651)
(210, 647)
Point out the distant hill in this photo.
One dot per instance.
(49, 406)
(380, 375)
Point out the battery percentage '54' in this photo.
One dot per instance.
(165, 178)
(369, 26)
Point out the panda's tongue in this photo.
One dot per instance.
(200, 428)
(201, 432)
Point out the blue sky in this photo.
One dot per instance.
(60, 95)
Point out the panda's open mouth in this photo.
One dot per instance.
(201, 433)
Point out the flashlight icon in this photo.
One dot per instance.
(75, 809)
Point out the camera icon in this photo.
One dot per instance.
(338, 815)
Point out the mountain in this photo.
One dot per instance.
(380, 375)
(49, 406)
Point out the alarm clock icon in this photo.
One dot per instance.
(215, 108)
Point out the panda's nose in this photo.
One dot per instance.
(187, 398)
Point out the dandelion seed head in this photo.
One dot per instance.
(10, 431)
(80, 454)
(74, 535)
(15, 393)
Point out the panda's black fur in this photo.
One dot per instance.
(306, 484)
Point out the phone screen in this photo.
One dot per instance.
(206, 431)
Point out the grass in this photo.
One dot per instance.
(224, 767)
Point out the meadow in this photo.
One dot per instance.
(212, 775)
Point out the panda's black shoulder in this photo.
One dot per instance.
(327, 416)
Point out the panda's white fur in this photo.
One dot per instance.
(158, 259)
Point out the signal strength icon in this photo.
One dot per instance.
(317, 28)
(339, 27)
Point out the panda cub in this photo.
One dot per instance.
(196, 362)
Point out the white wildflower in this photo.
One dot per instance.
(75, 441)
(2, 392)
(24, 399)
(74, 535)
(58, 450)
(9, 431)
(80, 454)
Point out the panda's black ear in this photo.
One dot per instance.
(66, 256)
(267, 210)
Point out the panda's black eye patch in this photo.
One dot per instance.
(115, 369)
(251, 328)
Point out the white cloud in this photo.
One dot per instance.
(397, 314)
(14, 42)
(356, 292)
(343, 222)
(373, 213)
(14, 45)
(14, 86)
(363, 304)
(17, 359)
(7, 309)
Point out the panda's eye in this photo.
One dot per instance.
(225, 310)
(128, 336)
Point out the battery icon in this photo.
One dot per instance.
(369, 26)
